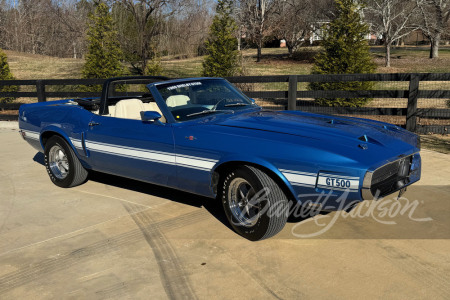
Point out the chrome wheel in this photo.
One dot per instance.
(58, 163)
(242, 201)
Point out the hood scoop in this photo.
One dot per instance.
(367, 139)
(363, 138)
(334, 122)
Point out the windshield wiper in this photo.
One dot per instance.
(205, 112)
(236, 104)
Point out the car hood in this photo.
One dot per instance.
(340, 130)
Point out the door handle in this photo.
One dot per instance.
(92, 124)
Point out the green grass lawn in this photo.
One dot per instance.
(33, 66)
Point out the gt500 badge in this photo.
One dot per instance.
(337, 182)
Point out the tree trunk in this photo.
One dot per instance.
(434, 51)
(388, 54)
(258, 56)
(290, 49)
(74, 50)
(239, 38)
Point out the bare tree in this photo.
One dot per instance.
(72, 15)
(147, 17)
(43, 26)
(435, 14)
(186, 31)
(393, 19)
(254, 15)
(293, 20)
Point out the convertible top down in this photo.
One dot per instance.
(204, 136)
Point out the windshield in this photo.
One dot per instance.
(188, 100)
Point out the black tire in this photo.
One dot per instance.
(75, 173)
(265, 213)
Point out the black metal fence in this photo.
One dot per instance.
(417, 101)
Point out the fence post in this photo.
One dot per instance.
(292, 92)
(40, 89)
(411, 110)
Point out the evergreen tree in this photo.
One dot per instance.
(5, 74)
(345, 51)
(103, 59)
(223, 57)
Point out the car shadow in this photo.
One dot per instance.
(39, 158)
(213, 206)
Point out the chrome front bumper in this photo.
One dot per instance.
(408, 171)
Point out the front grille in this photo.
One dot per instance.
(385, 172)
(391, 177)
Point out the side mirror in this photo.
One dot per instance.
(150, 116)
(253, 100)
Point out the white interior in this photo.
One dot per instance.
(177, 100)
(131, 109)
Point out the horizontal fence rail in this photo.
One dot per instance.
(289, 97)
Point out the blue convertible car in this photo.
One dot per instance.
(204, 136)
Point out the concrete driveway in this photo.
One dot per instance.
(118, 238)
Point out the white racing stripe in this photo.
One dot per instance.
(198, 163)
(77, 143)
(195, 162)
(297, 178)
(131, 152)
(323, 180)
(301, 179)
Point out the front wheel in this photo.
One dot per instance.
(255, 205)
(63, 166)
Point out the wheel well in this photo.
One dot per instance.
(227, 167)
(47, 135)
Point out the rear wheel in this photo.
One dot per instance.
(63, 166)
(255, 205)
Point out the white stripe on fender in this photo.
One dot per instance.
(301, 179)
(77, 143)
(194, 162)
(306, 179)
(339, 176)
(298, 172)
(200, 158)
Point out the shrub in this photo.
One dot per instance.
(153, 67)
(5, 74)
(345, 51)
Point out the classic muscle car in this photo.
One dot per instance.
(204, 136)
